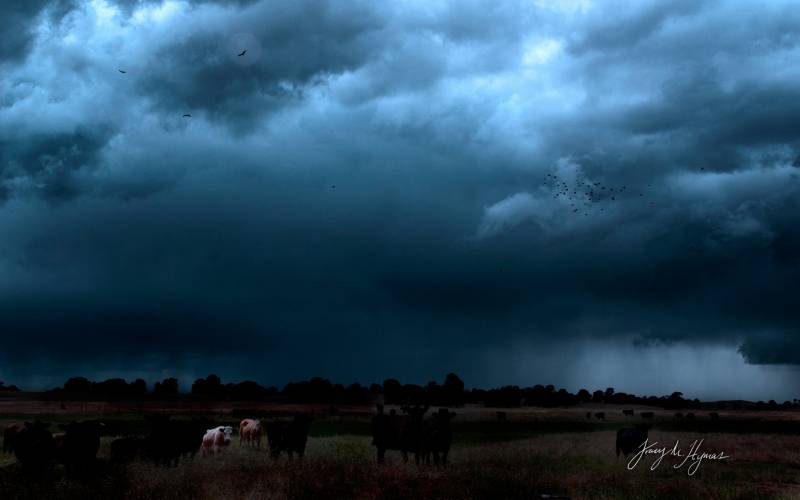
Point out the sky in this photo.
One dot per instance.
(578, 193)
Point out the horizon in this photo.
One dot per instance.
(186, 388)
(517, 192)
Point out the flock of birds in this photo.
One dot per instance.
(582, 193)
(189, 115)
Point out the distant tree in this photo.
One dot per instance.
(509, 396)
(78, 385)
(113, 389)
(584, 396)
(317, 390)
(453, 389)
(597, 396)
(356, 393)
(8, 388)
(413, 394)
(392, 391)
(138, 388)
(167, 388)
(210, 387)
(565, 398)
(246, 391)
(609, 392)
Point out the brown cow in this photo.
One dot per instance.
(250, 432)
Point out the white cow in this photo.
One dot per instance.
(216, 439)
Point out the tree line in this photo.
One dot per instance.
(450, 392)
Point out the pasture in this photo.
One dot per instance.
(531, 453)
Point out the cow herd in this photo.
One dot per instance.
(37, 448)
(649, 415)
(170, 440)
(411, 433)
(427, 438)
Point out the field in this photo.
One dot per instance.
(534, 452)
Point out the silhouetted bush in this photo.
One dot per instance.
(8, 388)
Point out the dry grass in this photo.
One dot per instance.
(581, 465)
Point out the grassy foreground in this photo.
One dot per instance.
(487, 461)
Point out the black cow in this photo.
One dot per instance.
(169, 440)
(589, 415)
(33, 446)
(631, 439)
(9, 435)
(414, 437)
(679, 416)
(690, 416)
(289, 436)
(713, 416)
(647, 414)
(600, 415)
(627, 413)
(127, 449)
(399, 432)
(77, 448)
(438, 437)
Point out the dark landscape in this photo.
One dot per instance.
(529, 443)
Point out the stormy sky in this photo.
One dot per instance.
(377, 190)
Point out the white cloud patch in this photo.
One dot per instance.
(509, 213)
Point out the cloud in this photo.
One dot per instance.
(380, 179)
(507, 214)
(18, 20)
(772, 348)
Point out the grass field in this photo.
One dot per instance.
(535, 452)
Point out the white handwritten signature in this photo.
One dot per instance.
(693, 458)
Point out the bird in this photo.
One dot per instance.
(333, 186)
(243, 53)
(187, 115)
(122, 71)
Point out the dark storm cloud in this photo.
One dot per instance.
(129, 6)
(18, 19)
(46, 164)
(299, 43)
(362, 194)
